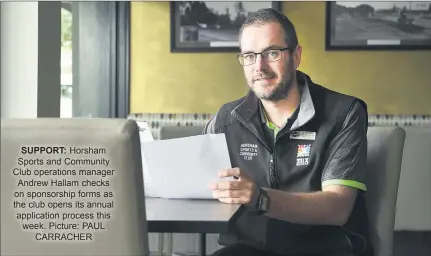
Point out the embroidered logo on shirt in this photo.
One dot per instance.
(304, 150)
(248, 151)
(303, 154)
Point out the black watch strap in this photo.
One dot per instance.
(263, 202)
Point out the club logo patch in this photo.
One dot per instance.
(303, 154)
(304, 150)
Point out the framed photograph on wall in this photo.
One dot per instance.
(378, 25)
(208, 26)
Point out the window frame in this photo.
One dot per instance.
(101, 88)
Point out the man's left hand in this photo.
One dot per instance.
(239, 191)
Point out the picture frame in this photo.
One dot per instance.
(378, 25)
(218, 29)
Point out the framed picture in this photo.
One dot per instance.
(209, 26)
(378, 25)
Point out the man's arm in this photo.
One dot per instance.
(332, 206)
(343, 175)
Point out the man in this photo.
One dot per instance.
(298, 152)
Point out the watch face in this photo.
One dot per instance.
(264, 201)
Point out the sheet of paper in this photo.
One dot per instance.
(184, 167)
(144, 131)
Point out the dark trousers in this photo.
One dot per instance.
(244, 250)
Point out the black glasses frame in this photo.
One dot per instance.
(260, 53)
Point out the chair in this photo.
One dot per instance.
(125, 232)
(385, 150)
(172, 132)
(414, 215)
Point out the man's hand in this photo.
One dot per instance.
(240, 191)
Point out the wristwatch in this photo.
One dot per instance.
(263, 202)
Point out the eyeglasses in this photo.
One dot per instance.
(272, 55)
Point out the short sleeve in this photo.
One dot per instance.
(346, 164)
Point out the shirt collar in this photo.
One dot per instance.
(306, 106)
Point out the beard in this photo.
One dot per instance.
(281, 89)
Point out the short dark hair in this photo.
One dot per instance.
(267, 15)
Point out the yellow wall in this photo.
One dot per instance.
(390, 82)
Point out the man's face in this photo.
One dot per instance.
(269, 80)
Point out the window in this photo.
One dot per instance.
(94, 59)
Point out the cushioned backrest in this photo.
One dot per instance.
(115, 219)
(414, 214)
(385, 150)
(172, 132)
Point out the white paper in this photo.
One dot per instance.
(184, 167)
(144, 131)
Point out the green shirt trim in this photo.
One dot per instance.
(349, 183)
(271, 125)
